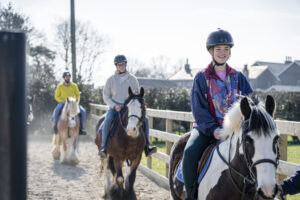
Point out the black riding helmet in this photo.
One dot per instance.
(66, 74)
(119, 59)
(219, 37)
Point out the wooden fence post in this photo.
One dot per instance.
(149, 158)
(169, 129)
(283, 154)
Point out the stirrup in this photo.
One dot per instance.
(102, 153)
(150, 150)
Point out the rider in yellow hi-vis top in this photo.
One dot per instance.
(63, 91)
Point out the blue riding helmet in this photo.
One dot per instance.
(119, 59)
(66, 74)
(219, 37)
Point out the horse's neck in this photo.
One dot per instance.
(64, 113)
(236, 158)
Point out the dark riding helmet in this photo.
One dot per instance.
(219, 37)
(66, 74)
(119, 59)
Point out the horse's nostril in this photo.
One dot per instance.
(134, 129)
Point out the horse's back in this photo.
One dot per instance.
(175, 157)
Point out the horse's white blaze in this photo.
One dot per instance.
(266, 179)
(134, 108)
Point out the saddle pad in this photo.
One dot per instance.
(202, 170)
(179, 173)
(113, 124)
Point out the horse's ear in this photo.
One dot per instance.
(245, 108)
(68, 100)
(130, 91)
(142, 92)
(270, 105)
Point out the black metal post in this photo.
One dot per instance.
(73, 41)
(12, 116)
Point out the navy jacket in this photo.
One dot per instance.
(292, 185)
(205, 120)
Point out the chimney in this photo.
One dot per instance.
(288, 60)
(187, 67)
(246, 71)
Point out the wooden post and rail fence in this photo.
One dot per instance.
(285, 128)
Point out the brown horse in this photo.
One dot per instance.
(126, 143)
(68, 133)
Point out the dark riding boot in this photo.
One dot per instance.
(150, 150)
(82, 131)
(55, 129)
(190, 194)
(103, 152)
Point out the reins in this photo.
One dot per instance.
(246, 180)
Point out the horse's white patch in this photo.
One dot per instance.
(216, 168)
(134, 109)
(266, 179)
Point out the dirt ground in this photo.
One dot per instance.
(48, 179)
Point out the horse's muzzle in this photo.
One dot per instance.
(72, 123)
(268, 193)
(132, 132)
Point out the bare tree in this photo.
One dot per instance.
(89, 47)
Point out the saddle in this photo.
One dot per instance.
(203, 164)
(115, 122)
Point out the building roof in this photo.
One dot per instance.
(183, 75)
(276, 68)
(255, 71)
(283, 88)
(156, 83)
(288, 66)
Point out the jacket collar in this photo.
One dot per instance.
(210, 72)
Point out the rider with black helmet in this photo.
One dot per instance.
(63, 91)
(214, 90)
(115, 93)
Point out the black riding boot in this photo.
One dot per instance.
(150, 150)
(55, 129)
(82, 131)
(103, 152)
(190, 195)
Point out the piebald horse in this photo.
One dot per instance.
(244, 162)
(126, 144)
(68, 133)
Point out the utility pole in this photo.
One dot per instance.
(73, 41)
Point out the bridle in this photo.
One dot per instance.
(140, 119)
(252, 180)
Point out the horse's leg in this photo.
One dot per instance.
(130, 179)
(72, 148)
(55, 150)
(118, 167)
(64, 143)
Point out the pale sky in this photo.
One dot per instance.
(265, 30)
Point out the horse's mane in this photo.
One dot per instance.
(259, 119)
(71, 106)
(232, 120)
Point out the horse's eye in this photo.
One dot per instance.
(248, 140)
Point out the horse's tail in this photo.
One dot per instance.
(175, 157)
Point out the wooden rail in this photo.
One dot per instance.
(285, 128)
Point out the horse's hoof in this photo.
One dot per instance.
(55, 154)
(120, 180)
